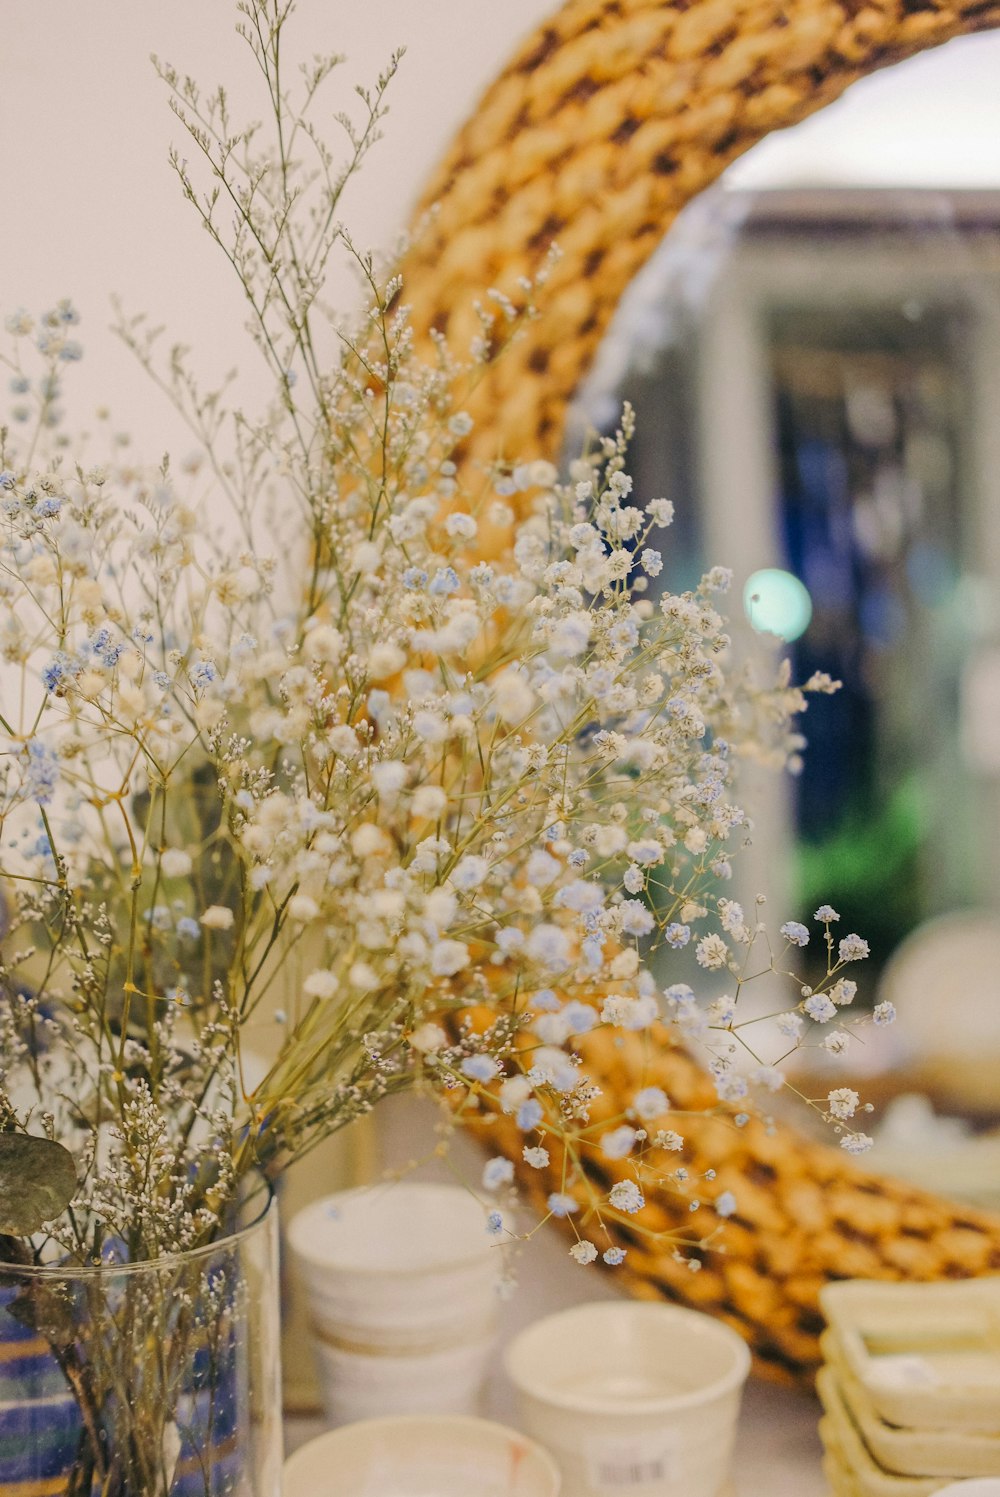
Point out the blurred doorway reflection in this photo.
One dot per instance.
(870, 430)
(817, 381)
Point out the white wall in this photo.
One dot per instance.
(91, 207)
(933, 121)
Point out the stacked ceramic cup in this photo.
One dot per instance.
(911, 1388)
(402, 1284)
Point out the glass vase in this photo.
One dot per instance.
(151, 1379)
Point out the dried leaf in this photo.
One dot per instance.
(37, 1182)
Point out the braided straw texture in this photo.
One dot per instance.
(805, 1213)
(607, 121)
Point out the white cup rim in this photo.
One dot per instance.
(298, 1228)
(386, 1423)
(518, 1358)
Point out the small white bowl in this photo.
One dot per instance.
(409, 1227)
(421, 1457)
(632, 1396)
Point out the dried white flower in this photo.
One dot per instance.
(217, 917)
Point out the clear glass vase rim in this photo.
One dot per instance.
(55, 1271)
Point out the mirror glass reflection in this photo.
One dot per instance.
(814, 358)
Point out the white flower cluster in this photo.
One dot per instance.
(441, 739)
(452, 780)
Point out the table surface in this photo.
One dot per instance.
(777, 1446)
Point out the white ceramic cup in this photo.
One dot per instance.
(632, 1397)
(414, 1457)
(402, 1287)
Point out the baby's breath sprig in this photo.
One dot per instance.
(309, 793)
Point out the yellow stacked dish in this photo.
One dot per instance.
(911, 1386)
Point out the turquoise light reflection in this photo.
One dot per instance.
(776, 602)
